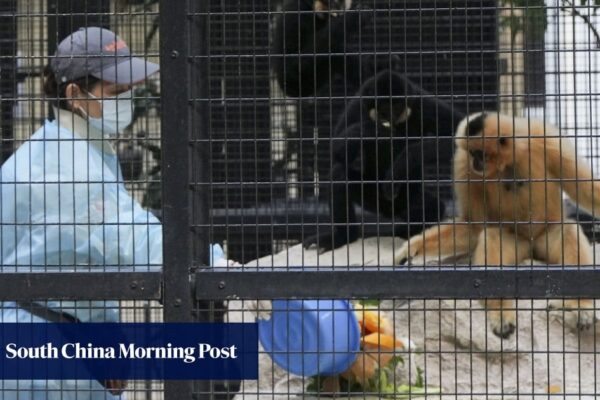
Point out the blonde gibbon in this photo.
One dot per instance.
(509, 176)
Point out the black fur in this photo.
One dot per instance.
(382, 168)
(308, 48)
(475, 126)
(588, 222)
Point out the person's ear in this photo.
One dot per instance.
(73, 93)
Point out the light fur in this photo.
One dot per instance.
(512, 209)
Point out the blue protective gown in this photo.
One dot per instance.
(64, 207)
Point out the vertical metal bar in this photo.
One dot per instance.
(198, 82)
(8, 77)
(175, 128)
(201, 128)
(52, 37)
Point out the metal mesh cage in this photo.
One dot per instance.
(405, 192)
(276, 139)
(320, 226)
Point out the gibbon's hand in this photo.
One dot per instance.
(411, 252)
(320, 242)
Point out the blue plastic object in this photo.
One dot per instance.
(311, 337)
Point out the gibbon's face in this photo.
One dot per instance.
(387, 98)
(488, 140)
(320, 6)
(390, 114)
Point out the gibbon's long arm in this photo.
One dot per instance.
(574, 173)
(450, 238)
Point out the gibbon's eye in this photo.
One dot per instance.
(502, 141)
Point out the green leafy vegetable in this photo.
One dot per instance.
(420, 382)
(383, 383)
(371, 302)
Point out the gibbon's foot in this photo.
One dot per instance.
(503, 329)
(502, 316)
(585, 316)
(321, 242)
(585, 319)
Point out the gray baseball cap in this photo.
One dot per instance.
(100, 53)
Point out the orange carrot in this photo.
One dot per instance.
(379, 340)
(371, 321)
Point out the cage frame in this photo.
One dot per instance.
(182, 282)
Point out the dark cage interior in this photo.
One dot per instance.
(8, 74)
(271, 152)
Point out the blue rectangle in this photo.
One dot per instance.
(129, 351)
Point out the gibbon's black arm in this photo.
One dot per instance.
(411, 167)
(348, 144)
(412, 200)
(439, 117)
(432, 151)
(343, 190)
(424, 158)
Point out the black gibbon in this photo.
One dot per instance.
(509, 176)
(383, 144)
(308, 47)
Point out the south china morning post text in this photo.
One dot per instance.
(123, 350)
(129, 351)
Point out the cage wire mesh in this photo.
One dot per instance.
(30, 32)
(323, 135)
(332, 131)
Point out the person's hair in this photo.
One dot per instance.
(55, 91)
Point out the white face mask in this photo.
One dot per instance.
(117, 113)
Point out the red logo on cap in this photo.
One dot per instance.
(116, 45)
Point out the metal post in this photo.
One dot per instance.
(200, 120)
(175, 128)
